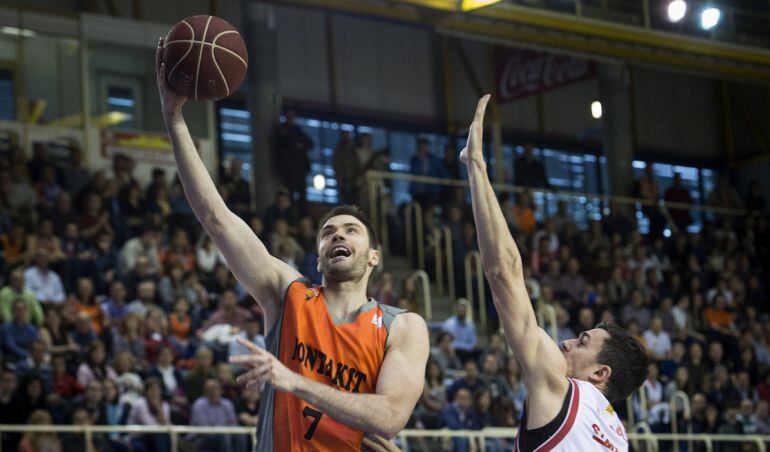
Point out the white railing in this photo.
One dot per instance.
(414, 234)
(422, 275)
(477, 438)
(479, 299)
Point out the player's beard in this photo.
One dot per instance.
(352, 269)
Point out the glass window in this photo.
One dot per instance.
(7, 96)
(235, 138)
(121, 103)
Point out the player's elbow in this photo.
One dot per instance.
(392, 424)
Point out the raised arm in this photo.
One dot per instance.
(384, 413)
(542, 362)
(261, 274)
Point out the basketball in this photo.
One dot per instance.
(205, 58)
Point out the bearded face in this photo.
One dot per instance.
(344, 252)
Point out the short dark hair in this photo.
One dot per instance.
(353, 211)
(627, 358)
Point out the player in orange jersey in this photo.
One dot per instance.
(339, 364)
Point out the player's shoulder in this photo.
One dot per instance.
(407, 328)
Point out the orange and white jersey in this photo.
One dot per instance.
(587, 422)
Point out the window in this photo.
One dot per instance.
(121, 107)
(7, 96)
(235, 138)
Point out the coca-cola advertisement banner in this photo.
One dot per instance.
(521, 73)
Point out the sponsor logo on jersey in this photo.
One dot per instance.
(610, 410)
(310, 294)
(339, 374)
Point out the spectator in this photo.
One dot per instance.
(252, 332)
(92, 401)
(132, 209)
(18, 333)
(426, 164)
(57, 339)
(15, 290)
(128, 335)
(96, 367)
(754, 199)
(207, 256)
(94, 219)
(445, 354)
(658, 413)
(471, 380)
(62, 214)
(166, 373)
(45, 240)
(179, 252)
(14, 246)
(281, 209)
(724, 195)
(347, 168)
(228, 313)
(458, 415)
(85, 301)
(28, 398)
(37, 362)
(523, 214)
(636, 310)
(647, 188)
(212, 410)
(78, 440)
(240, 193)
(761, 418)
(145, 245)
(151, 410)
(44, 282)
(247, 408)
(64, 383)
(145, 299)
(195, 379)
(658, 341)
(528, 171)
(678, 194)
(114, 308)
(433, 397)
(491, 375)
(463, 330)
(284, 246)
(291, 146)
(40, 441)
(571, 283)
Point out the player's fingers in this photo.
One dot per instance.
(250, 345)
(159, 56)
(481, 107)
(259, 372)
(377, 443)
(249, 359)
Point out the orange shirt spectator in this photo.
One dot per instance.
(718, 317)
(524, 219)
(179, 322)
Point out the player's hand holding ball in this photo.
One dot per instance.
(201, 58)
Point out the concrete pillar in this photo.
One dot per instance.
(264, 99)
(617, 126)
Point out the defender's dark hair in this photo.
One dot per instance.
(353, 211)
(627, 358)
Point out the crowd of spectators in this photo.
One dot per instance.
(116, 309)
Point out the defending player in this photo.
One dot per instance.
(345, 365)
(569, 390)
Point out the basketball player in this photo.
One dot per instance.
(338, 364)
(569, 390)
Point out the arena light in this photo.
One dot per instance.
(14, 31)
(710, 17)
(319, 182)
(469, 5)
(677, 10)
(596, 109)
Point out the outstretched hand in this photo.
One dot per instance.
(170, 101)
(263, 368)
(473, 151)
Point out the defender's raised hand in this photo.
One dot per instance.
(473, 151)
(170, 101)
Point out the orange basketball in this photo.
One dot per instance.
(205, 58)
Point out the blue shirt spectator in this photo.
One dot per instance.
(423, 163)
(470, 381)
(463, 330)
(18, 333)
(459, 415)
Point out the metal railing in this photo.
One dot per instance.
(479, 299)
(422, 275)
(414, 209)
(687, 412)
(663, 206)
(477, 438)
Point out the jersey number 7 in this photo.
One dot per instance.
(316, 415)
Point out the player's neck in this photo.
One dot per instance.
(343, 299)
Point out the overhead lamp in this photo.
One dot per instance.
(677, 10)
(319, 182)
(709, 18)
(596, 109)
(15, 31)
(469, 5)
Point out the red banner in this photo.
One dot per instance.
(520, 73)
